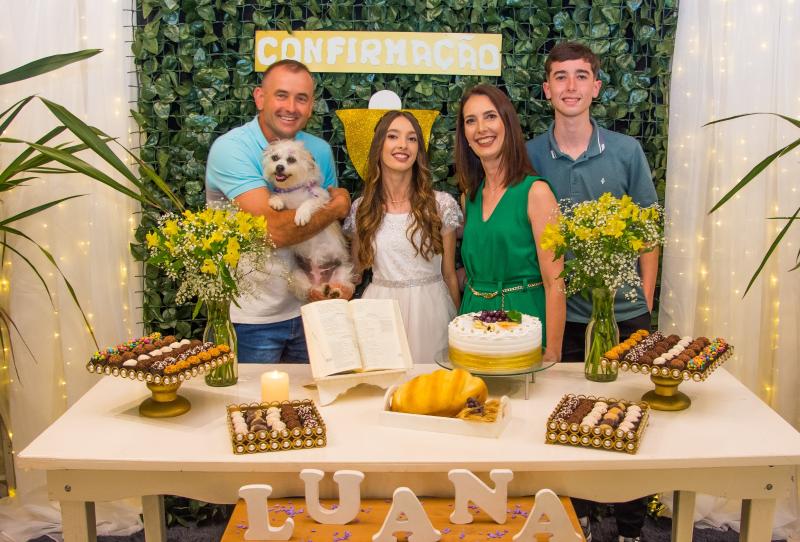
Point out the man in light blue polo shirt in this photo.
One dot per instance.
(268, 325)
(583, 161)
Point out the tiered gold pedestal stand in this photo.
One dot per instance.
(666, 396)
(164, 402)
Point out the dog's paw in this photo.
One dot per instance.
(276, 202)
(334, 293)
(302, 216)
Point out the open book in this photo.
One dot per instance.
(352, 336)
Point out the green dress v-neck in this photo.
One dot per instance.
(500, 254)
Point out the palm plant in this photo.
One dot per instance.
(43, 157)
(752, 174)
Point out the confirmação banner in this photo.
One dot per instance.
(383, 52)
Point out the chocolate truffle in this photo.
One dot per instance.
(115, 359)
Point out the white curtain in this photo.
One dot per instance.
(734, 57)
(88, 236)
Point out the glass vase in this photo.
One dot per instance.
(602, 334)
(219, 330)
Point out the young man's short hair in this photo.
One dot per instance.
(572, 50)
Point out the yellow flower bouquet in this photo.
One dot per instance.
(601, 241)
(202, 251)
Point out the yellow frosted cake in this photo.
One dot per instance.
(495, 341)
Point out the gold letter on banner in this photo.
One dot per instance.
(383, 52)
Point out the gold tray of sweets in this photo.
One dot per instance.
(596, 422)
(669, 360)
(275, 426)
(163, 364)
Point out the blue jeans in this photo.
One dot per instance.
(280, 342)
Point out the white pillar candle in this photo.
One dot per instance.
(274, 386)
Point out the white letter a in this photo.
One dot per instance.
(405, 502)
(556, 524)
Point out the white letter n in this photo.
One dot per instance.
(469, 487)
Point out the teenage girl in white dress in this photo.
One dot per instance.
(406, 232)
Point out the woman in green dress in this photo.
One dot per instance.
(506, 209)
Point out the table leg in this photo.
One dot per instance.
(527, 385)
(155, 526)
(683, 516)
(757, 518)
(78, 522)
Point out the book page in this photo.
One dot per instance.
(380, 333)
(331, 338)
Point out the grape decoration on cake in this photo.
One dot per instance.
(495, 341)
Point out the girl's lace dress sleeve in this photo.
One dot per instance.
(449, 211)
(349, 227)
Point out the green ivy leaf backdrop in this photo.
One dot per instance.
(195, 67)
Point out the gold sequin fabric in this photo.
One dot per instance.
(359, 127)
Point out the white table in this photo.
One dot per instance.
(728, 443)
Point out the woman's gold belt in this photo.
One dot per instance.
(503, 291)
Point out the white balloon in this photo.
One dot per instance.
(385, 99)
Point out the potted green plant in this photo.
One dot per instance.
(43, 156)
(752, 174)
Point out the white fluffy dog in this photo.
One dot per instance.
(324, 259)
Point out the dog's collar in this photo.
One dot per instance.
(307, 186)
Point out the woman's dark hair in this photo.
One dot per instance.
(514, 162)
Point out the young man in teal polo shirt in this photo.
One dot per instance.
(268, 325)
(583, 161)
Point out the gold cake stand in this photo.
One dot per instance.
(164, 401)
(666, 396)
(528, 374)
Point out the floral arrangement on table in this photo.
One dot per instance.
(602, 240)
(202, 251)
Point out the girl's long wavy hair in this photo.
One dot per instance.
(513, 157)
(426, 221)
